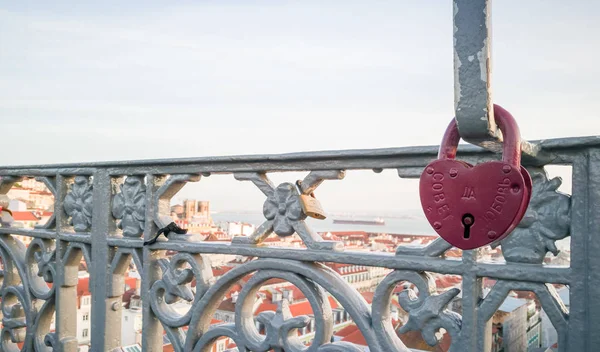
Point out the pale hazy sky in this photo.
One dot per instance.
(107, 80)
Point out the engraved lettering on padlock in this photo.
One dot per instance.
(505, 183)
(437, 187)
(469, 193)
(443, 209)
(500, 199)
(497, 207)
(439, 197)
(503, 187)
(490, 216)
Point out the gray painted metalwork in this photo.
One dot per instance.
(547, 220)
(103, 210)
(78, 204)
(426, 310)
(473, 104)
(282, 209)
(50, 183)
(129, 206)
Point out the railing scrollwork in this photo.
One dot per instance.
(103, 213)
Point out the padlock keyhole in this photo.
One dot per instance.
(467, 221)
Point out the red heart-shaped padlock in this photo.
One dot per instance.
(473, 206)
(526, 198)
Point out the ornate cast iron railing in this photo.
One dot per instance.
(104, 212)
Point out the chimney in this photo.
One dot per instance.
(288, 295)
(276, 296)
(234, 297)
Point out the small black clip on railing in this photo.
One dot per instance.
(172, 227)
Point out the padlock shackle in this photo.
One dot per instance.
(511, 150)
(449, 142)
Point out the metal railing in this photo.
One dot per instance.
(103, 212)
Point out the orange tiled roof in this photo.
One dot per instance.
(24, 216)
(296, 308)
(221, 270)
(446, 281)
(356, 337)
(347, 330)
(368, 296)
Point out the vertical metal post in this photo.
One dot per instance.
(474, 334)
(473, 104)
(65, 280)
(152, 330)
(472, 70)
(584, 312)
(105, 336)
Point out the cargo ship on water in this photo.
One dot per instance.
(352, 221)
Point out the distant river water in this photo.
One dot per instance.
(413, 225)
(399, 225)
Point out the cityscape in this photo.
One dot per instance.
(300, 176)
(520, 324)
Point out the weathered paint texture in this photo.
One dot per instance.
(472, 74)
(108, 239)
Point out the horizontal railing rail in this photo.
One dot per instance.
(561, 148)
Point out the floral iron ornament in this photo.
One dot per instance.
(284, 209)
(547, 220)
(130, 206)
(78, 204)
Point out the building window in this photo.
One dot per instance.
(126, 318)
(84, 333)
(86, 317)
